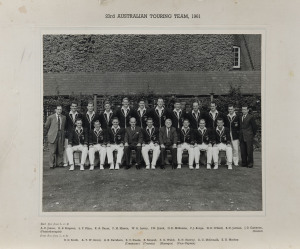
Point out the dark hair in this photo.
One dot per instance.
(213, 103)
(149, 119)
(97, 120)
(220, 119)
(115, 118)
(125, 98)
(245, 105)
(90, 103)
(73, 102)
(231, 105)
(177, 101)
(78, 119)
(202, 119)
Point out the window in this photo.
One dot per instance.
(236, 57)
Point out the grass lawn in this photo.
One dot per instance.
(239, 189)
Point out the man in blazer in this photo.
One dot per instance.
(177, 115)
(133, 141)
(141, 114)
(97, 143)
(106, 116)
(124, 113)
(195, 115)
(213, 115)
(89, 117)
(115, 142)
(203, 142)
(78, 141)
(185, 142)
(55, 127)
(168, 141)
(232, 122)
(159, 114)
(222, 141)
(248, 130)
(150, 142)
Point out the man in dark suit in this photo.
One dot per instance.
(150, 142)
(177, 115)
(97, 143)
(159, 114)
(55, 127)
(222, 141)
(89, 117)
(106, 116)
(247, 133)
(232, 122)
(78, 141)
(213, 115)
(133, 141)
(168, 141)
(115, 142)
(141, 114)
(124, 113)
(195, 115)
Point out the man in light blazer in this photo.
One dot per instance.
(55, 127)
(248, 130)
(168, 141)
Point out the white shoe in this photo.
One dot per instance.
(153, 167)
(101, 167)
(71, 167)
(117, 166)
(208, 166)
(92, 167)
(229, 166)
(197, 166)
(216, 166)
(179, 166)
(191, 167)
(111, 166)
(148, 167)
(65, 165)
(236, 165)
(81, 167)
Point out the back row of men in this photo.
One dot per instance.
(155, 129)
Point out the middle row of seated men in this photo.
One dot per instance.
(142, 140)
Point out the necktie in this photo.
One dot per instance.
(58, 122)
(243, 117)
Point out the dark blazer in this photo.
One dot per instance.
(210, 123)
(164, 139)
(159, 121)
(141, 120)
(154, 136)
(106, 122)
(115, 138)
(51, 126)
(194, 121)
(248, 128)
(71, 123)
(205, 137)
(124, 119)
(223, 137)
(177, 121)
(77, 138)
(133, 137)
(233, 125)
(87, 123)
(186, 137)
(97, 138)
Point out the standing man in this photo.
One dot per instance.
(177, 115)
(168, 141)
(89, 117)
(159, 114)
(124, 113)
(213, 115)
(222, 142)
(55, 127)
(133, 141)
(203, 142)
(233, 124)
(195, 115)
(97, 143)
(185, 142)
(141, 114)
(78, 141)
(115, 143)
(106, 116)
(247, 133)
(150, 142)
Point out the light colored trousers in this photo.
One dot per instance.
(65, 151)
(83, 149)
(181, 148)
(224, 147)
(145, 153)
(235, 151)
(102, 153)
(120, 152)
(205, 147)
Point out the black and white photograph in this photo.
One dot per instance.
(152, 122)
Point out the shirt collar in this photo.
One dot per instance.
(93, 113)
(150, 128)
(201, 129)
(214, 112)
(140, 109)
(125, 109)
(79, 130)
(96, 129)
(115, 128)
(177, 111)
(184, 129)
(233, 115)
(57, 115)
(72, 112)
(159, 109)
(217, 129)
(194, 111)
(110, 111)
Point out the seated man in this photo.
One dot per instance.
(222, 141)
(78, 141)
(185, 142)
(150, 142)
(168, 141)
(97, 143)
(133, 141)
(115, 142)
(203, 142)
